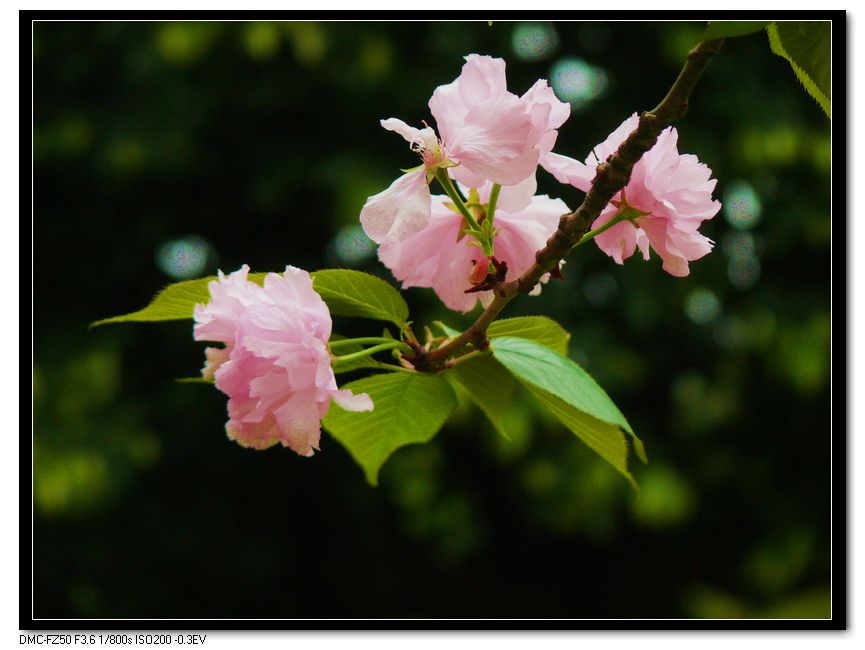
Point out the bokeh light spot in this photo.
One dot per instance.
(702, 306)
(352, 246)
(309, 40)
(578, 82)
(534, 41)
(183, 258)
(737, 245)
(732, 333)
(261, 40)
(743, 272)
(742, 205)
(743, 266)
(183, 43)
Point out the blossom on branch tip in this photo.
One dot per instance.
(275, 366)
(485, 134)
(673, 192)
(493, 134)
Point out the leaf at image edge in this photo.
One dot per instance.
(807, 47)
(732, 28)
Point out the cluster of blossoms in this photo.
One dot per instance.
(667, 198)
(275, 365)
(492, 142)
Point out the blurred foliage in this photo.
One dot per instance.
(168, 150)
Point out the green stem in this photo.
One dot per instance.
(359, 341)
(447, 184)
(367, 352)
(494, 199)
(392, 368)
(470, 355)
(625, 214)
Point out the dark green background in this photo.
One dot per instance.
(263, 140)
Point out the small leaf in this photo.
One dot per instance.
(808, 47)
(571, 394)
(409, 408)
(175, 302)
(488, 384)
(732, 28)
(447, 330)
(355, 293)
(540, 329)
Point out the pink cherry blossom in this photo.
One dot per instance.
(673, 190)
(493, 134)
(437, 257)
(275, 366)
(487, 134)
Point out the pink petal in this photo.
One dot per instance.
(497, 141)
(541, 95)
(482, 77)
(569, 171)
(619, 242)
(513, 198)
(609, 146)
(400, 211)
(425, 137)
(350, 402)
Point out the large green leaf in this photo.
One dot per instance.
(605, 439)
(354, 293)
(346, 293)
(409, 408)
(488, 384)
(540, 329)
(732, 28)
(573, 397)
(807, 45)
(174, 302)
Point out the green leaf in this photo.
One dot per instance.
(488, 384)
(355, 293)
(807, 45)
(447, 330)
(175, 302)
(540, 329)
(346, 293)
(732, 28)
(606, 440)
(409, 408)
(574, 398)
(195, 380)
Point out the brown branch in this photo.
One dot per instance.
(610, 178)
